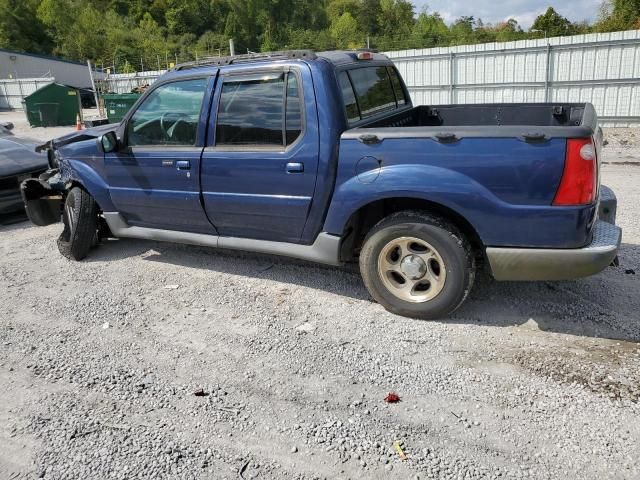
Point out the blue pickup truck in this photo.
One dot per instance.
(323, 157)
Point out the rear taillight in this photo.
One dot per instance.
(578, 184)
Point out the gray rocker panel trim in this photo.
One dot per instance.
(557, 264)
(326, 248)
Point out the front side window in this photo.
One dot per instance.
(169, 115)
(259, 110)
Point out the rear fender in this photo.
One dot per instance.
(496, 222)
(419, 182)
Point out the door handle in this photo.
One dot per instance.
(295, 167)
(183, 164)
(369, 139)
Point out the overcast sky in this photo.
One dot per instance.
(525, 11)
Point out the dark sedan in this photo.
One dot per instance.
(18, 161)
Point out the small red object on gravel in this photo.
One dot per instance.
(392, 398)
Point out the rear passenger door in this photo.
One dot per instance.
(259, 168)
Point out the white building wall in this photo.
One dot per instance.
(603, 69)
(19, 65)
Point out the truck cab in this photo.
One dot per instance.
(323, 157)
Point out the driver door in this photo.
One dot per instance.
(154, 179)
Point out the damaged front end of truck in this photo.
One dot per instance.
(44, 196)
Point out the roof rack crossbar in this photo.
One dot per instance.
(252, 57)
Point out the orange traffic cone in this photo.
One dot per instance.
(78, 124)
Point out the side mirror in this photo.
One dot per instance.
(108, 142)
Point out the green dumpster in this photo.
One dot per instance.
(117, 105)
(53, 105)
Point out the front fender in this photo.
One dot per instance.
(446, 187)
(76, 171)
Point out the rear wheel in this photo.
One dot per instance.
(417, 265)
(80, 218)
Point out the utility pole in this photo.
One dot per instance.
(158, 61)
(232, 48)
(368, 45)
(141, 64)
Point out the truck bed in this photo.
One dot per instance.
(511, 156)
(551, 119)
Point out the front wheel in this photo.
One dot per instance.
(417, 265)
(80, 218)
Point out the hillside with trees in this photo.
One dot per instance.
(129, 35)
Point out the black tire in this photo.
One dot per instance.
(452, 249)
(80, 218)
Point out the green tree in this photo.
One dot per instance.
(618, 15)
(369, 18)
(53, 15)
(345, 32)
(509, 31)
(212, 43)
(20, 28)
(149, 39)
(462, 31)
(144, 31)
(337, 8)
(485, 33)
(552, 23)
(627, 12)
(395, 19)
(430, 31)
(187, 16)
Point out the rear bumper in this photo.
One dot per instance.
(563, 264)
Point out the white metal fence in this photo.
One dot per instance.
(125, 82)
(603, 69)
(13, 91)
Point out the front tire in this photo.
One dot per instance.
(417, 265)
(80, 218)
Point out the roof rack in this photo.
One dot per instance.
(252, 57)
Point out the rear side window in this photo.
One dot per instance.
(349, 98)
(293, 114)
(259, 110)
(373, 90)
(397, 87)
(370, 90)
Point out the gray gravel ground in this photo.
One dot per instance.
(100, 360)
